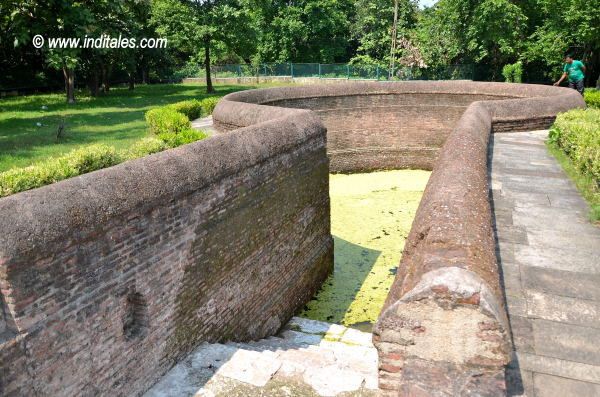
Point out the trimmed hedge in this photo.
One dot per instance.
(166, 120)
(192, 109)
(145, 147)
(592, 97)
(209, 104)
(77, 162)
(170, 125)
(577, 133)
(184, 137)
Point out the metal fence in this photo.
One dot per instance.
(341, 71)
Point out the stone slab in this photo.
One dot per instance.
(552, 386)
(557, 259)
(567, 342)
(255, 368)
(563, 309)
(562, 283)
(558, 367)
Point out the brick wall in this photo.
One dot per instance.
(443, 329)
(113, 276)
(384, 131)
(109, 278)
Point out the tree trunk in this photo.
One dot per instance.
(131, 81)
(69, 84)
(106, 78)
(94, 83)
(209, 86)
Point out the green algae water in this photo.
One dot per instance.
(371, 215)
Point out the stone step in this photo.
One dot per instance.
(309, 357)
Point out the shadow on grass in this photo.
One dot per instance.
(353, 264)
(141, 96)
(116, 119)
(22, 142)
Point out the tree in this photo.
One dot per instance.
(372, 28)
(495, 34)
(572, 26)
(303, 31)
(201, 25)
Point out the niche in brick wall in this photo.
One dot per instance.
(135, 321)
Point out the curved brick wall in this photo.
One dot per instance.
(443, 329)
(380, 125)
(109, 278)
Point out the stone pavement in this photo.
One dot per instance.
(550, 258)
(204, 124)
(309, 358)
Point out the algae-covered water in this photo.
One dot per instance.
(371, 215)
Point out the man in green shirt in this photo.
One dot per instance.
(575, 70)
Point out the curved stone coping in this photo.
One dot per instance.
(33, 220)
(527, 100)
(121, 272)
(444, 325)
(448, 278)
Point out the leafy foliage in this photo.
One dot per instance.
(171, 124)
(144, 147)
(166, 120)
(513, 73)
(209, 104)
(592, 97)
(80, 161)
(487, 33)
(192, 109)
(576, 133)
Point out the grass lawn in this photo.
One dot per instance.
(116, 119)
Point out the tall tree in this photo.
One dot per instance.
(303, 30)
(199, 26)
(372, 28)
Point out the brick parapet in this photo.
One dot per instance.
(444, 328)
(111, 277)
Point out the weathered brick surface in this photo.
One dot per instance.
(443, 330)
(159, 255)
(109, 278)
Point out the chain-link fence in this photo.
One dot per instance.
(341, 71)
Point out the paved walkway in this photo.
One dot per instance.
(205, 124)
(550, 257)
(309, 358)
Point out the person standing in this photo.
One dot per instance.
(575, 71)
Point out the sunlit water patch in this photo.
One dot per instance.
(371, 215)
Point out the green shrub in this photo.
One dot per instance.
(513, 72)
(77, 162)
(184, 137)
(576, 132)
(208, 105)
(170, 125)
(92, 158)
(192, 108)
(592, 97)
(145, 147)
(165, 119)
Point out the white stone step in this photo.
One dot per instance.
(325, 359)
